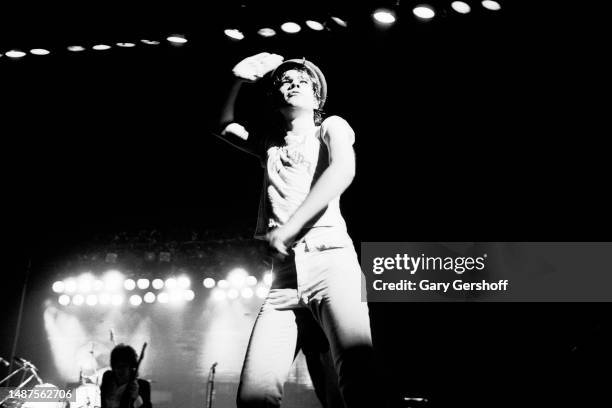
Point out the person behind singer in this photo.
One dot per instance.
(121, 387)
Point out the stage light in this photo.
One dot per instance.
(98, 285)
(129, 284)
(15, 54)
(177, 39)
(424, 12)
(384, 16)
(491, 5)
(164, 256)
(461, 7)
(268, 278)
(113, 280)
(104, 299)
(340, 22)
(85, 282)
(142, 283)
(183, 282)
(188, 295)
(91, 300)
(209, 283)
(157, 284)
(104, 47)
(234, 34)
(223, 284)
(261, 291)
(70, 285)
(117, 299)
(314, 25)
(58, 287)
(232, 294)
(247, 293)
(266, 32)
(39, 51)
(78, 300)
(126, 44)
(135, 300)
(150, 42)
(219, 294)
(170, 283)
(163, 297)
(149, 256)
(64, 300)
(290, 27)
(149, 297)
(237, 277)
(76, 48)
(176, 296)
(251, 280)
(111, 257)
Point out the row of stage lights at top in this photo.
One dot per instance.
(381, 16)
(107, 292)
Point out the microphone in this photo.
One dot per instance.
(214, 365)
(4, 362)
(112, 336)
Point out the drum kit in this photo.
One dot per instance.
(86, 394)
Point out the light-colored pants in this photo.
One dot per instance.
(314, 304)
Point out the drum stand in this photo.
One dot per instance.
(25, 368)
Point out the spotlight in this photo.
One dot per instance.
(177, 39)
(183, 282)
(219, 294)
(461, 7)
(91, 300)
(126, 44)
(70, 285)
(58, 287)
(290, 27)
(104, 47)
(78, 300)
(111, 257)
(129, 284)
(176, 296)
(149, 297)
(314, 25)
(189, 295)
(150, 42)
(232, 294)
(234, 34)
(117, 299)
(157, 284)
(223, 284)
(424, 12)
(85, 282)
(266, 32)
(251, 280)
(247, 293)
(104, 299)
(340, 22)
(170, 283)
(209, 283)
(268, 278)
(15, 54)
(491, 5)
(135, 300)
(64, 300)
(164, 256)
(98, 285)
(39, 51)
(149, 256)
(163, 297)
(384, 16)
(76, 48)
(113, 280)
(142, 283)
(237, 277)
(261, 291)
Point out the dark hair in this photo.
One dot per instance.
(122, 353)
(276, 84)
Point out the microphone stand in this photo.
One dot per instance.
(25, 368)
(210, 388)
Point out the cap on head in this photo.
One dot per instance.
(312, 68)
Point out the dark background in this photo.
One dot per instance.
(470, 128)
